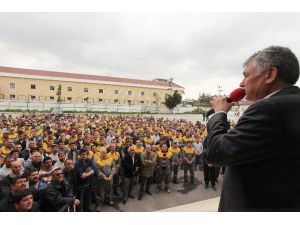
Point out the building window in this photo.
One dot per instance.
(154, 94)
(100, 100)
(142, 93)
(142, 102)
(154, 102)
(51, 98)
(116, 101)
(86, 99)
(85, 90)
(12, 85)
(101, 91)
(129, 92)
(32, 86)
(69, 88)
(129, 102)
(69, 98)
(116, 92)
(32, 97)
(12, 96)
(52, 88)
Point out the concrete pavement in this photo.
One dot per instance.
(209, 205)
(183, 197)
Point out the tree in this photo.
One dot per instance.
(203, 100)
(58, 93)
(171, 101)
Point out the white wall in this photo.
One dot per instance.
(23, 105)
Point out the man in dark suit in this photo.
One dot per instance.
(262, 152)
(130, 164)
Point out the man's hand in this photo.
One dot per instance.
(83, 176)
(220, 104)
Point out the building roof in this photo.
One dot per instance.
(45, 73)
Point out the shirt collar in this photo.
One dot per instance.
(269, 95)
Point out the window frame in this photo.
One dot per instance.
(10, 85)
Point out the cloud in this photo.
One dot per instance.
(198, 50)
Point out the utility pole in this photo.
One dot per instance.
(170, 83)
(219, 89)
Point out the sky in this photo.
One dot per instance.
(192, 41)
(199, 50)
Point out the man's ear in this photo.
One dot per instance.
(271, 75)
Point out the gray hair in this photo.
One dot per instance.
(103, 151)
(282, 58)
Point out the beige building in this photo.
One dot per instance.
(39, 85)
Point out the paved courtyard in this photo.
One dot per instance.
(181, 194)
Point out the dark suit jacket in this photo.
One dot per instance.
(129, 168)
(5, 186)
(6, 204)
(59, 196)
(262, 154)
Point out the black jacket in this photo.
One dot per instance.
(129, 168)
(71, 179)
(25, 154)
(262, 155)
(5, 186)
(6, 204)
(58, 196)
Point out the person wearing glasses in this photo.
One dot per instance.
(59, 193)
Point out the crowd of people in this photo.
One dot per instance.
(69, 162)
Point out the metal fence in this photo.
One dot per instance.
(52, 99)
(92, 107)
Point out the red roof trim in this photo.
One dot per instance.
(84, 76)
